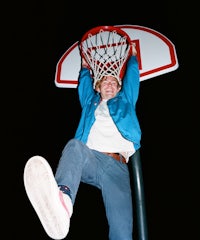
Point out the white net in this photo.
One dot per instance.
(106, 53)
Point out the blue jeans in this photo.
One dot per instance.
(79, 163)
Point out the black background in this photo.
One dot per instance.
(40, 117)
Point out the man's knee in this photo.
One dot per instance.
(74, 144)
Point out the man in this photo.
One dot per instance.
(107, 135)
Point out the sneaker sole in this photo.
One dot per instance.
(43, 193)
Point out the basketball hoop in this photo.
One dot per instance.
(106, 49)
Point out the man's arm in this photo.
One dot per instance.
(85, 83)
(131, 80)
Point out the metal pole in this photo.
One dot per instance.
(136, 170)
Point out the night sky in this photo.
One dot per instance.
(41, 118)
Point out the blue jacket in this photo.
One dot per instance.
(122, 107)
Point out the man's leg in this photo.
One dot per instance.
(118, 201)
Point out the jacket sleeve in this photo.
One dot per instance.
(131, 80)
(85, 86)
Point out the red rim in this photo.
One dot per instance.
(109, 28)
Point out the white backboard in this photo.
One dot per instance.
(156, 56)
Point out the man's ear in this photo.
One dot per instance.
(119, 88)
(97, 89)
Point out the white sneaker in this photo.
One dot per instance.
(53, 208)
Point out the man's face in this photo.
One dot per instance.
(108, 87)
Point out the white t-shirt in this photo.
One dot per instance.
(104, 135)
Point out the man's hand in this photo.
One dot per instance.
(134, 51)
(84, 64)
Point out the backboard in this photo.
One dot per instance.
(156, 56)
